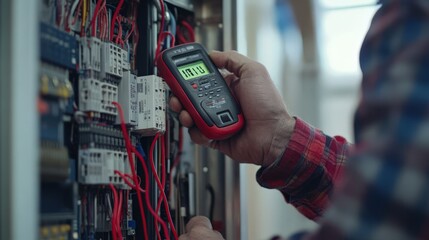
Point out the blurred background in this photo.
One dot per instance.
(311, 49)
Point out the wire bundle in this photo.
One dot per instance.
(160, 183)
(163, 34)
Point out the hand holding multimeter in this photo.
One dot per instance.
(268, 126)
(196, 81)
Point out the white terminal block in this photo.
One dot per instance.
(97, 96)
(111, 55)
(90, 54)
(127, 97)
(126, 66)
(151, 96)
(97, 167)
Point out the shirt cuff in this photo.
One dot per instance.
(280, 174)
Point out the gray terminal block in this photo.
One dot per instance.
(127, 97)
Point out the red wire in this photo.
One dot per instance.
(173, 39)
(161, 27)
(119, 216)
(166, 207)
(136, 35)
(163, 166)
(155, 215)
(118, 36)
(146, 173)
(163, 36)
(125, 178)
(94, 17)
(163, 173)
(77, 12)
(113, 219)
(66, 21)
(104, 20)
(133, 170)
(130, 32)
(161, 30)
(115, 15)
(101, 20)
(190, 30)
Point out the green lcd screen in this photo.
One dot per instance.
(193, 70)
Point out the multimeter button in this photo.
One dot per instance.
(211, 92)
(194, 86)
(207, 86)
(210, 97)
(218, 90)
(200, 95)
(217, 95)
(201, 89)
(207, 93)
(215, 83)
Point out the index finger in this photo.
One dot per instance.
(230, 60)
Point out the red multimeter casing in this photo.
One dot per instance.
(196, 81)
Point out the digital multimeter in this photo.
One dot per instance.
(196, 81)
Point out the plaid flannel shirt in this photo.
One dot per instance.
(384, 190)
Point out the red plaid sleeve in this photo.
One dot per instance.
(307, 171)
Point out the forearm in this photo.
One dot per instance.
(307, 171)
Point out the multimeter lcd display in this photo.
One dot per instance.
(193, 70)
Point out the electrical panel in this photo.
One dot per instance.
(110, 148)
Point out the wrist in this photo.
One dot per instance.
(282, 134)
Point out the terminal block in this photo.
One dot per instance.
(151, 95)
(97, 96)
(112, 64)
(90, 54)
(97, 167)
(128, 98)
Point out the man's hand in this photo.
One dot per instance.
(200, 228)
(268, 126)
